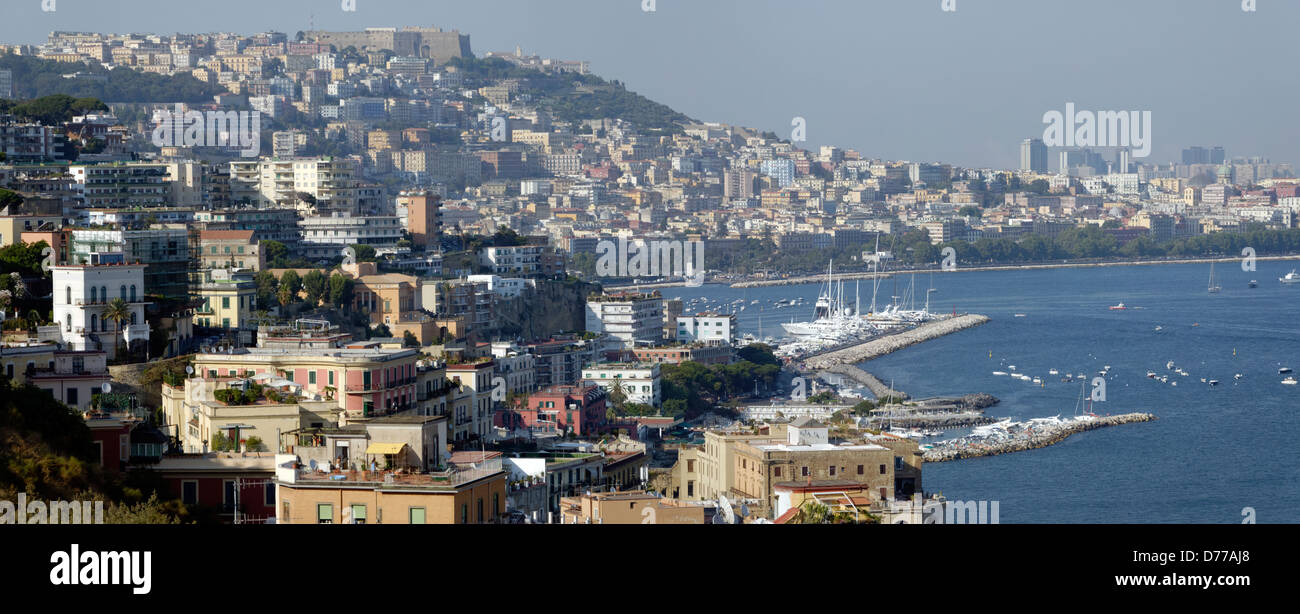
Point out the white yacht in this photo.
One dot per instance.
(1291, 278)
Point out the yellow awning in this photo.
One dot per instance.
(385, 448)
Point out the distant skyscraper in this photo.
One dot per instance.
(1033, 156)
(1217, 156)
(1201, 155)
(6, 84)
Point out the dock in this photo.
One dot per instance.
(877, 387)
(892, 343)
(1026, 440)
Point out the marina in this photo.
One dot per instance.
(1007, 437)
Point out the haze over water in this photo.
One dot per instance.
(1213, 451)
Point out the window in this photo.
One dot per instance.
(690, 466)
(69, 295)
(331, 378)
(776, 472)
(480, 510)
(832, 470)
(690, 488)
(860, 469)
(803, 471)
(228, 495)
(93, 294)
(268, 496)
(464, 513)
(132, 293)
(311, 377)
(496, 504)
(417, 515)
(190, 492)
(882, 470)
(358, 514)
(898, 463)
(122, 292)
(94, 323)
(324, 513)
(225, 302)
(71, 397)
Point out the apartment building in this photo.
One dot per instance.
(229, 301)
(632, 318)
(230, 249)
(639, 382)
(82, 294)
(264, 182)
(327, 236)
(579, 410)
(361, 379)
(121, 186)
(707, 328)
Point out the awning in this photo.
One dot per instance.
(385, 448)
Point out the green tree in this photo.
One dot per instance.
(317, 287)
(117, 311)
(340, 291)
(292, 282)
(276, 253)
(409, 340)
(267, 287)
(365, 253)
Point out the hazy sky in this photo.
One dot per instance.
(899, 79)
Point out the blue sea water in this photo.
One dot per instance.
(1213, 451)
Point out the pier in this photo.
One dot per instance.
(1028, 439)
(877, 387)
(892, 343)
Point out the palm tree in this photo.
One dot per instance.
(617, 395)
(117, 311)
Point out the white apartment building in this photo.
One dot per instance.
(708, 328)
(520, 259)
(267, 182)
(633, 319)
(121, 185)
(515, 366)
(640, 382)
(82, 293)
(326, 236)
(502, 286)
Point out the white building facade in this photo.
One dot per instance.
(82, 294)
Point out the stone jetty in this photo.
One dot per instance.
(808, 279)
(892, 343)
(1024, 440)
(877, 387)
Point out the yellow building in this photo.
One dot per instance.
(230, 249)
(229, 300)
(12, 226)
(473, 496)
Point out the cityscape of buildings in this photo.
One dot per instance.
(391, 315)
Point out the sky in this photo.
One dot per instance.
(894, 79)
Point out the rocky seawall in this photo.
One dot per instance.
(892, 343)
(1026, 440)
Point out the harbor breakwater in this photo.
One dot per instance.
(892, 343)
(1025, 440)
(877, 387)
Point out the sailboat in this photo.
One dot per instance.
(1214, 286)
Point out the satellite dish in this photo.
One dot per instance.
(312, 464)
(189, 370)
(106, 388)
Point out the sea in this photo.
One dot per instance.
(1217, 454)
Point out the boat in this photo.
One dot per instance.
(1291, 278)
(1214, 287)
(1253, 284)
(1053, 372)
(1290, 381)
(1000, 373)
(1237, 376)
(1214, 382)
(1021, 315)
(1169, 365)
(1284, 370)
(1151, 374)
(1119, 307)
